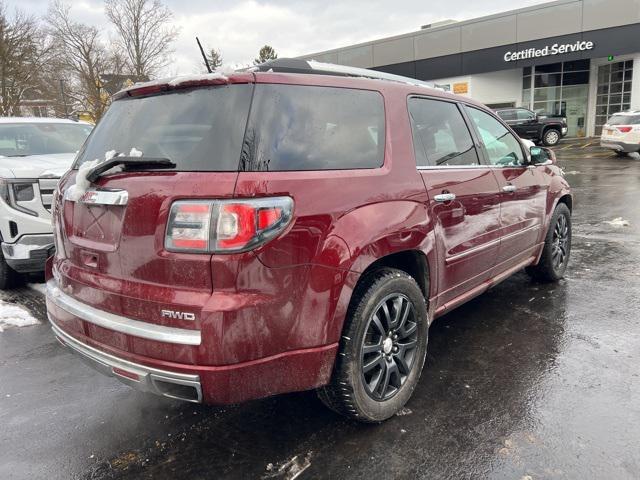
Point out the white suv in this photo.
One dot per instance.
(34, 153)
(622, 133)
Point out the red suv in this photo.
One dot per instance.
(298, 226)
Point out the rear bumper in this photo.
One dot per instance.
(29, 253)
(161, 382)
(620, 146)
(289, 371)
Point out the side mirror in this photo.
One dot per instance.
(542, 156)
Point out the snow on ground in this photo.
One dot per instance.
(41, 287)
(14, 316)
(618, 222)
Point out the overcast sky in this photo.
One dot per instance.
(293, 27)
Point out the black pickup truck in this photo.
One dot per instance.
(530, 125)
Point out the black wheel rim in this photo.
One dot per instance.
(560, 243)
(389, 347)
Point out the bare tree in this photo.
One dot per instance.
(84, 59)
(145, 33)
(24, 50)
(266, 53)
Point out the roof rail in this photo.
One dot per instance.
(297, 65)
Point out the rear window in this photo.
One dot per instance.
(199, 130)
(314, 128)
(624, 120)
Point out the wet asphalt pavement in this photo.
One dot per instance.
(528, 381)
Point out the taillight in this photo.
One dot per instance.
(625, 129)
(226, 226)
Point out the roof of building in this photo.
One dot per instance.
(527, 24)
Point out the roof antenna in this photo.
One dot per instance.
(206, 62)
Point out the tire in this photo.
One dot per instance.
(620, 153)
(551, 137)
(9, 278)
(351, 391)
(557, 248)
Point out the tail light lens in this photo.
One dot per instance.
(226, 226)
(625, 129)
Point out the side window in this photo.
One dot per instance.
(503, 149)
(294, 127)
(507, 115)
(525, 115)
(440, 134)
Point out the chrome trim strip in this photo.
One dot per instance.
(466, 167)
(148, 376)
(94, 196)
(120, 324)
(471, 251)
(490, 244)
(520, 232)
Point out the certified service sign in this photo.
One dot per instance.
(549, 50)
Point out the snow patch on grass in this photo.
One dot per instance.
(14, 316)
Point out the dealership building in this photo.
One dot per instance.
(579, 59)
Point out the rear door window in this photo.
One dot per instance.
(524, 115)
(295, 127)
(508, 115)
(440, 134)
(199, 129)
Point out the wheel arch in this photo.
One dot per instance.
(412, 262)
(567, 199)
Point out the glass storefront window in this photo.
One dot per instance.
(549, 68)
(560, 89)
(548, 80)
(614, 91)
(576, 66)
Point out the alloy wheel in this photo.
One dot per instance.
(560, 243)
(389, 346)
(552, 137)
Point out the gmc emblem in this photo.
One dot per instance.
(178, 315)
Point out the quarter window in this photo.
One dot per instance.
(440, 134)
(503, 149)
(293, 127)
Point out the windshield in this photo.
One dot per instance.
(22, 139)
(198, 130)
(624, 120)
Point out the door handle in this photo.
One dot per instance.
(444, 197)
(509, 188)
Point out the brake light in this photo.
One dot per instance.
(625, 129)
(226, 226)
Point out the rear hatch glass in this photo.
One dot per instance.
(199, 130)
(624, 120)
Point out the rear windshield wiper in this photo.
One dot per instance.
(129, 164)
